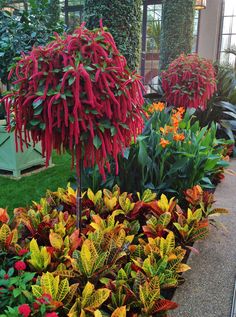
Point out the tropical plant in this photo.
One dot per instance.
(53, 286)
(172, 154)
(15, 279)
(118, 266)
(154, 34)
(93, 126)
(220, 108)
(189, 81)
(231, 50)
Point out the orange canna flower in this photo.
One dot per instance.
(175, 123)
(181, 110)
(160, 106)
(179, 137)
(164, 143)
(163, 130)
(170, 129)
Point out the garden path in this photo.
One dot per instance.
(209, 286)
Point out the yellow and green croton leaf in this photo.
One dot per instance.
(52, 285)
(8, 237)
(89, 301)
(40, 258)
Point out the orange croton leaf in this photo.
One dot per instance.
(4, 215)
(75, 241)
(194, 195)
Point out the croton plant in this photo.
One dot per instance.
(130, 253)
(76, 93)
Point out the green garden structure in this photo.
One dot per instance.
(16, 162)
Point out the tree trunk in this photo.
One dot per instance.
(123, 19)
(177, 30)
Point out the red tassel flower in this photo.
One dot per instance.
(189, 81)
(76, 93)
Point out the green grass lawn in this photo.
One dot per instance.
(20, 193)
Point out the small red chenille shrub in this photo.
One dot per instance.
(189, 81)
(76, 93)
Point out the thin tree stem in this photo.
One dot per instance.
(79, 199)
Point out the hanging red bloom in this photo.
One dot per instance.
(189, 81)
(77, 93)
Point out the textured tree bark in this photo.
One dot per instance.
(177, 30)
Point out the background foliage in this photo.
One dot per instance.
(221, 108)
(177, 29)
(123, 18)
(20, 31)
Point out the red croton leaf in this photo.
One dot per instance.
(164, 304)
(4, 215)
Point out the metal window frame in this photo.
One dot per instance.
(221, 34)
(146, 3)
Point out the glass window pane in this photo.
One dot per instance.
(225, 42)
(233, 40)
(230, 7)
(228, 32)
(234, 25)
(224, 58)
(232, 59)
(227, 25)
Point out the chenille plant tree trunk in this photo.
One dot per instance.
(177, 30)
(123, 18)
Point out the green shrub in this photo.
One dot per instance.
(221, 108)
(177, 30)
(123, 19)
(20, 31)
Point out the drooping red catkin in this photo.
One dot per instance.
(77, 93)
(189, 81)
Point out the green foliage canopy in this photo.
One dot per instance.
(177, 29)
(20, 31)
(123, 18)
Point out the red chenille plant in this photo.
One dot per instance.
(76, 93)
(189, 81)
